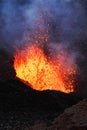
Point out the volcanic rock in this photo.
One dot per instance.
(74, 118)
(23, 108)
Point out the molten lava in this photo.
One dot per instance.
(42, 72)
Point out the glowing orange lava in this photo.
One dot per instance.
(33, 67)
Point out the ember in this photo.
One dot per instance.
(33, 67)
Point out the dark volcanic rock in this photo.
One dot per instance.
(74, 118)
(21, 106)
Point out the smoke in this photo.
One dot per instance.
(20, 20)
(62, 23)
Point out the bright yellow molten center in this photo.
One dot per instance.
(33, 67)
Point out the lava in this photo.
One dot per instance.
(44, 73)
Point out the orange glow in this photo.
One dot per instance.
(42, 73)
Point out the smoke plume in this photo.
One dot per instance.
(65, 19)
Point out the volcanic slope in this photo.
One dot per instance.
(73, 118)
(21, 106)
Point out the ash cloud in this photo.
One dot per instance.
(21, 20)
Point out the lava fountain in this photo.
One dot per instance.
(34, 68)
